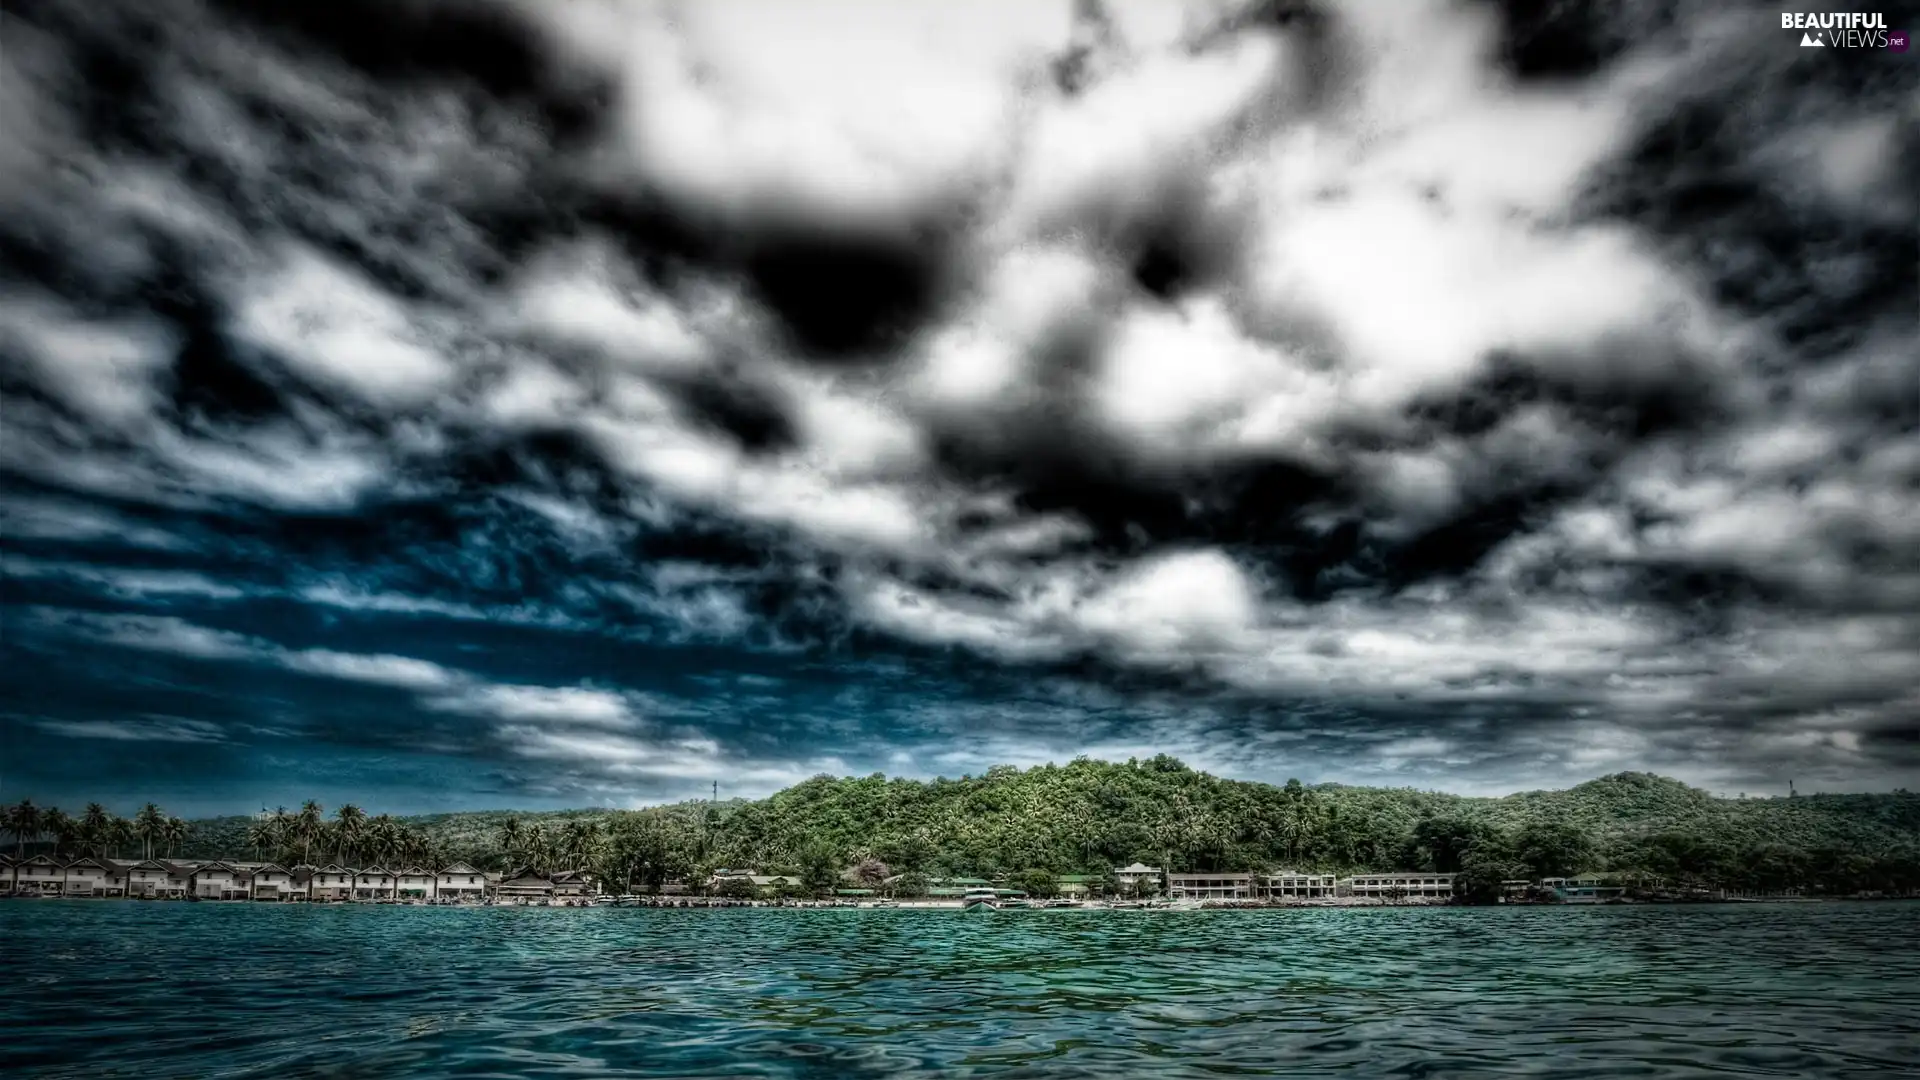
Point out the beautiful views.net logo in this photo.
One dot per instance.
(1844, 30)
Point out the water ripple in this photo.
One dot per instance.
(102, 989)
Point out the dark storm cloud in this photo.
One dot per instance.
(590, 402)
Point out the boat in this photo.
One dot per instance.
(980, 900)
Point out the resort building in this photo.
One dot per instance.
(91, 877)
(460, 882)
(525, 885)
(413, 883)
(1587, 888)
(1290, 885)
(373, 883)
(1131, 877)
(156, 880)
(572, 883)
(1398, 886)
(1079, 885)
(271, 881)
(330, 882)
(219, 881)
(1211, 886)
(40, 875)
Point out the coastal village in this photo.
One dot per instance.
(460, 883)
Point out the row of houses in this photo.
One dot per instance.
(166, 879)
(1290, 885)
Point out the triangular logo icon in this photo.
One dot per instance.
(1809, 41)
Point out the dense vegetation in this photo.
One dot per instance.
(1089, 816)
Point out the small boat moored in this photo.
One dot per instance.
(980, 900)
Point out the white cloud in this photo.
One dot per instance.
(337, 328)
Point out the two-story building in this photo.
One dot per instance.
(330, 883)
(1210, 886)
(413, 883)
(460, 881)
(1291, 885)
(271, 881)
(153, 879)
(1417, 885)
(39, 875)
(92, 877)
(219, 880)
(374, 883)
(1133, 877)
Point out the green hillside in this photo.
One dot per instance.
(1090, 815)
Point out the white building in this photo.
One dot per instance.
(330, 882)
(91, 877)
(271, 881)
(39, 875)
(1399, 886)
(460, 882)
(218, 881)
(1291, 885)
(373, 883)
(413, 883)
(156, 880)
(1210, 886)
(1130, 877)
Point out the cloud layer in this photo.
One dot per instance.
(550, 403)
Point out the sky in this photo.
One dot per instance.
(460, 405)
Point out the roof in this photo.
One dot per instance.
(272, 868)
(526, 881)
(381, 870)
(853, 892)
(1138, 868)
(149, 864)
(333, 868)
(1077, 879)
(96, 863)
(458, 868)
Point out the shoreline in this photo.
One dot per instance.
(696, 903)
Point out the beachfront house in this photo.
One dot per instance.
(39, 875)
(573, 883)
(525, 885)
(1587, 888)
(89, 877)
(330, 882)
(373, 883)
(1418, 885)
(219, 881)
(7, 866)
(460, 881)
(413, 883)
(1291, 885)
(155, 880)
(1210, 886)
(1137, 878)
(1079, 885)
(271, 881)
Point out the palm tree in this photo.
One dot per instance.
(96, 828)
(174, 832)
(262, 836)
(120, 833)
(306, 826)
(148, 825)
(23, 820)
(349, 820)
(59, 825)
(512, 840)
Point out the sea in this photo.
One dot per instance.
(157, 989)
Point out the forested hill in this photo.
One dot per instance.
(1090, 815)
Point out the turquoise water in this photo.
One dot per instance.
(114, 988)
